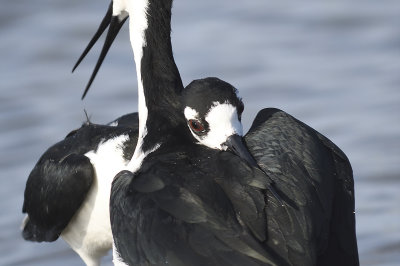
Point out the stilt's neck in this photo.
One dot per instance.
(159, 82)
(160, 76)
(138, 25)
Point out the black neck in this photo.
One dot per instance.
(160, 76)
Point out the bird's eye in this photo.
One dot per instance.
(196, 126)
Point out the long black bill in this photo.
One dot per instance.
(236, 145)
(115, 25)
(103, 26)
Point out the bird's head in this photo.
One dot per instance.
(213, 111)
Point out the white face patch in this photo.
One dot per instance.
(190, 113)
(223, 122)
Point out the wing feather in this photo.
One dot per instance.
(53, 193)
(309, 172)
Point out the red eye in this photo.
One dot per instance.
(196, 126)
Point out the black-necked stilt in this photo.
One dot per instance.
(188, 204)
(67, 192)
(168, 206)
(311, 174)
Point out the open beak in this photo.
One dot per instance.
(115, 23)
(236, 145)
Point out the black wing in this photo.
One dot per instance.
(342, 249)
(59, 182)
(54, 192)
(179, 216)
(314, 178)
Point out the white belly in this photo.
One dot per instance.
(89, 231)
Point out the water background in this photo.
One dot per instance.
(333, 64)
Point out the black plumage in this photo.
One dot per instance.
(175, 211)
(314, 177)
(50, 181)
(191, 205)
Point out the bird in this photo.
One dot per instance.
(169, 207)
(67, 192)
(316, 225)
(187, 204)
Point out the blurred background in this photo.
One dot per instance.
(335, 65)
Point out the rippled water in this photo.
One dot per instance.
(333, 64)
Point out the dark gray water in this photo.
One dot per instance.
(333, 64)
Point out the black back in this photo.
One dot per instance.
(314, 177)
(60, 180)
(186, 206)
